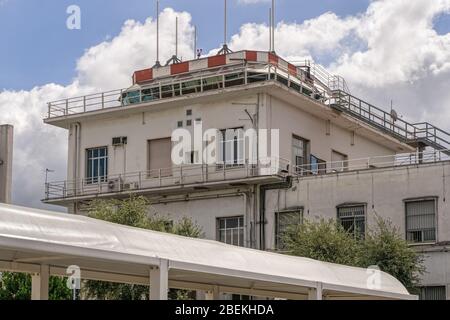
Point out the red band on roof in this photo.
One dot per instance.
(143, 75)
(292, 69)
(179, 68)
(251, 55)
(273, 59)
(217, 61)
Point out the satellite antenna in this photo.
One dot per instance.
(225, 49)
(157, 63)
(394, 114)
(175, 58)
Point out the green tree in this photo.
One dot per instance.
(134, 212)
(17, 286)
(324, 240)
(383, 246)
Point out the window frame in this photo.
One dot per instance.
(91, 180)
(237, 163)
(300, 210)
(353, 205)
(422, 199)
(421, 293)
(239, 227)
(306, 154)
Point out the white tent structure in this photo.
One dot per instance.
(45, 243)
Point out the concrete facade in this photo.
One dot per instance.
(6, 159)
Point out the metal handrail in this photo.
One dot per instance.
(164, 177)
(375, 162)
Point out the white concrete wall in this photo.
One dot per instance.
(274, 114)
(6, 158)
(384, 192)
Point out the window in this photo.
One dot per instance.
(188, 123)
(180, 124)
(339, 161)
(189, 112)
(353, 219)
(433, 293)
(231, 231)
(283, 220)
(317, 166)
(299, 154)
(421, 221)
(231, 149)
(96, 165)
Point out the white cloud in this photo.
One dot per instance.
(108, 65)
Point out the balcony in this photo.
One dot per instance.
(187, 178)
(371, 163)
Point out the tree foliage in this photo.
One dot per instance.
(383, 246)
(134, 212)
(17, 286)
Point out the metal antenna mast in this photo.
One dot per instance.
(225, 48)
(273, 26)
(175, 58)
(270, 29)
(195, 42)
(157, 63)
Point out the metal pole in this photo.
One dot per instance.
(195, 42)
(273, 25)
(225, 24)
(270, 29)
(176, 36)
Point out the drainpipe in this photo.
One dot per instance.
(76, 162)
(285, 185)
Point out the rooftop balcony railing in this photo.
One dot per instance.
(186, 175)
(378, 162)
(174, 87)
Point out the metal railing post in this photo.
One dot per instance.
(67, 107)
(103, 100)
(160, 178)
(84, 103)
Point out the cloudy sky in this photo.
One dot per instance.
(386, 49)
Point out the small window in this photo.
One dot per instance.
(299, 155)
(339, 161)
(96, 165)
(284, 220)
(188, 123)
(231, 230)
(421, 221)
(317, 166)
(189, 112)
(180, 124)
(433, 293)
(353, 219)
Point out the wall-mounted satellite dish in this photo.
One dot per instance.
(394, 115)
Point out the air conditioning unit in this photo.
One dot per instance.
(130, 186)
(115, 185)
(119, 141)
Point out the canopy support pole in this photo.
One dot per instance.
(316, 293)
(213, 295)
(159, 281)
(39, 284)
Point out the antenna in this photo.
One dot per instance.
(225, 48)
(270, 29)
(157, 63)
(273, 26)
(195, 42)
(174, 58)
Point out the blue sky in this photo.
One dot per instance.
(39, 49)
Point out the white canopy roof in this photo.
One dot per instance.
(106, 251)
